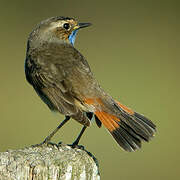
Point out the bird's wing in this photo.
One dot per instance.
(63, 79)
(49, 83)
(53, 83)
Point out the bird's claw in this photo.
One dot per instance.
(46, 142)
(74, 145)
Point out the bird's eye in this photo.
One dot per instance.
(66, 26)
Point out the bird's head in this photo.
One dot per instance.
(57, 29)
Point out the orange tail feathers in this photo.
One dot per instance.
(127, 127)
(128, 141)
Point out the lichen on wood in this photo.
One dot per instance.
(48, 162)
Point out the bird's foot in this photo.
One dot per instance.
(46, 142)
(75, 145)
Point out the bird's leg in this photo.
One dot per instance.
(48, 138)
(75, 143)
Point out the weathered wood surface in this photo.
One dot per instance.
(48, 163)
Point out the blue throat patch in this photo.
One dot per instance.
(72, 37)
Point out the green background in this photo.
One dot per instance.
(133, 50)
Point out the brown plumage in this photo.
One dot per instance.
(63, 79)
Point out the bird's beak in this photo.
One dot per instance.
(82, 25)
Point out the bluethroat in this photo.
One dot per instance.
(62, 78)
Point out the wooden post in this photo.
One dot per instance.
(48, 162)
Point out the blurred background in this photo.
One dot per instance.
(133, 50)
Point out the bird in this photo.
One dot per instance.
(63, 79)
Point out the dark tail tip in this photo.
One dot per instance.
(129, 141)
(146, 122)
(132, 130)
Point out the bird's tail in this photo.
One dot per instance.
(126, 126)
